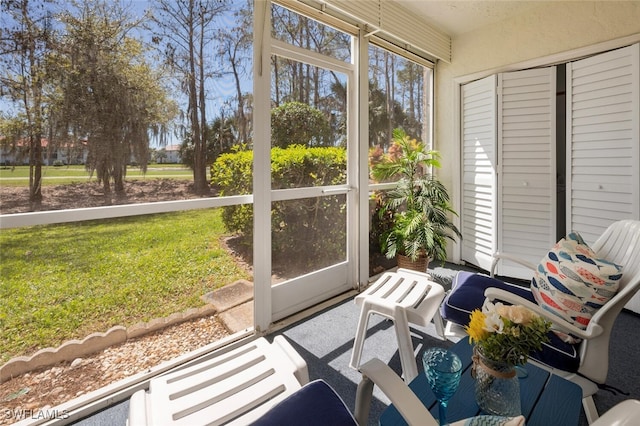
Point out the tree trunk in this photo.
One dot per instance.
(412, 105)
(388, 99)
(106, 184)
(276, 82)
(201, 185)
(34, 115)
(424, 107)
(119, 168)
(193, 105)
(35, 173)
(240, 116)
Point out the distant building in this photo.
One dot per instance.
(59, 153)
(172, 154)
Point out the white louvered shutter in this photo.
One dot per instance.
(527, 166)
(479, 224)
(603, 133)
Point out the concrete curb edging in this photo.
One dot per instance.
(95, 342)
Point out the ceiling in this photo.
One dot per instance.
(460, 16)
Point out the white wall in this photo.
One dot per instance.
(545, 33)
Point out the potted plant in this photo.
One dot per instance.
(418, 207)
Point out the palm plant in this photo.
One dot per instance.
(419, 205)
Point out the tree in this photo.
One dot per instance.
(298, 123)
(412, 80)
(111, 95)
(295, 81)
(13, 130)
(185, 32)
(221, 138)
(234, 51)
(25, 33)
(160, 155)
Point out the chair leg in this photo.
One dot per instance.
(403, 335)
(364, 393)
(405, 346)
(437, 321)
(361, 334)
(590, 410)
(453, 332)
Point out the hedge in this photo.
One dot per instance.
(307, 233)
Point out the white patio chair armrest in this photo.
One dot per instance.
(408, 404)
(497, 257)
(138, 417)
(623, 414)
(301, 371)
(592, 330)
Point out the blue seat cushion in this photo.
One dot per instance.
(316, 403)
(467, 294)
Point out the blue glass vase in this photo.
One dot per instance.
(497, 388)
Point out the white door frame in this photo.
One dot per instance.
(272, 302)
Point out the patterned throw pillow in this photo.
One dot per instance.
(573, 283)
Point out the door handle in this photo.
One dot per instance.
(337, 190)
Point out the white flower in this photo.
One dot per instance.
(489, 308)
(492, 322)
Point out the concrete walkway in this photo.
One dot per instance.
(234, 305)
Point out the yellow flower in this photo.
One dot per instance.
(476, 329)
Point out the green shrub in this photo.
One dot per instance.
(232, 174)
(315, 224)
(296, 122)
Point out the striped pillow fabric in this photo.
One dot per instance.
(573, 283)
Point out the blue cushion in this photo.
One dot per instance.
(467, 294)
(316, 403)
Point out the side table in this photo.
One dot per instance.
(546, 399)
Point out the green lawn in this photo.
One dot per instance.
(61, 282)
(19, 176)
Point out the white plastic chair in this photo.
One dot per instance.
(620, 243)
(412, 410)
(626, 413)
(405, 297)
(318, 404)
(234, 387)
